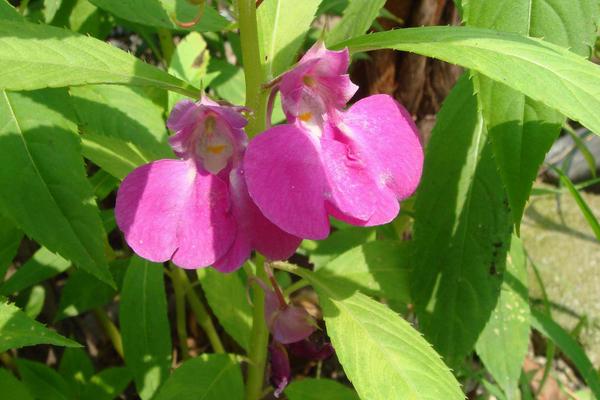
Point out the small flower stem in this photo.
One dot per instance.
(258, 340)
(200, 312)
(110, 329)
(180, 312)
(295, 286)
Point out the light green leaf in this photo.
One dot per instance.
(50, 9)
(233, 89)
(50, 198)
(39, 56)
(523, 130)
(82, 293)
(103, 184)
(282, 26)
(18, 330)
(43, 382)
(317, 389)
(462, 229)
(122, 112)
(383, 355)
(208, 377)
(543, 71)
(145, 326)
(226, 295)
(357, 19)
(322, 251)
(12, 388)
(379, 268)
(31, 301)
(107, 384)
(76, 368)
(159, 13)
(10, 238)
(41, 266)
(503, 344)
(189, 63)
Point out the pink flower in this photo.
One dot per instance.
(354, 165)
(196, 210)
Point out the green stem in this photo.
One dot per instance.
(295, 286)
(256, 97)
(259, 338)
(179, 288)
(200, 312)
(110, 329)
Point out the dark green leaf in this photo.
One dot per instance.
(76, 368)
(12, 388)
(10, 238)
(107, 384)
(8, 12)
(357, 19)
(82, 293)
(43, 382)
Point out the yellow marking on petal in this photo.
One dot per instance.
(309, 80)
(305, 117)
(216, 149)
(209, 124)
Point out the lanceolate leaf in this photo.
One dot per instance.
(357, 19)
(50, 197)
(12, 388)
(36, 56)
(383, 356)
(503, 343)
(145, 326)
(43, 382)
(543, 71)
(522, 130)
(462, 229)
(282, 26)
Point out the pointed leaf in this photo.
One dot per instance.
(12, 388)
(82, 293)
(43, 382)
(357, 19)
(10, 238)
(107, 384)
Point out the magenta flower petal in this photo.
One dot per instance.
(167, 209)
(280, 371)
(331, 62)
(387, 137)
(286, 180)
(291, 324)
(309, 350)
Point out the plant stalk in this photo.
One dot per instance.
(180, 311)
(110, 329)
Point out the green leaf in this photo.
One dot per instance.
(122, 112)
(503, 344)
(31, 301)
(226, 295)
(145, 326)
(8, 12)
(12, 388)
(462, 229)
(543, 71)
(18, 330)
(50, 9)
(282, 26)
(107, 384)
(583, 206)
(103, 184)
(189, 63)
(357, 19)
(43, 382)
(317, 389)
(82, 293)
(546, 326)
(522, 130)
(323, 251)
(208, 377)
(10, 238)
(41, 266)
(39, 56)
(379, 268)
(76, 368)
(383, 355)
(50, 198)
(158, 13)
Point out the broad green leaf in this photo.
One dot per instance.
(159, 13)
(226, 295)
(383, 355)
(122, 112)
(207, 377)
(116, 156)
(76, 368)
(145, 326)
(43, 382)
(379, 268)
(107, 384)
(462, 229)
(39, 56)
(10, 238)
(357, 19)
(189, 63)
(545, 325)
(322, 251)
(18, 330)
(543, 71)
(522, 130)
(583, 206)
(503, 344)
(282, 26)
(41, 266)
(12, 388)
(8, 12)
(82, 293)
(317, 389)
(50, 198)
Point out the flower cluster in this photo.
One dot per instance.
(224, 197)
